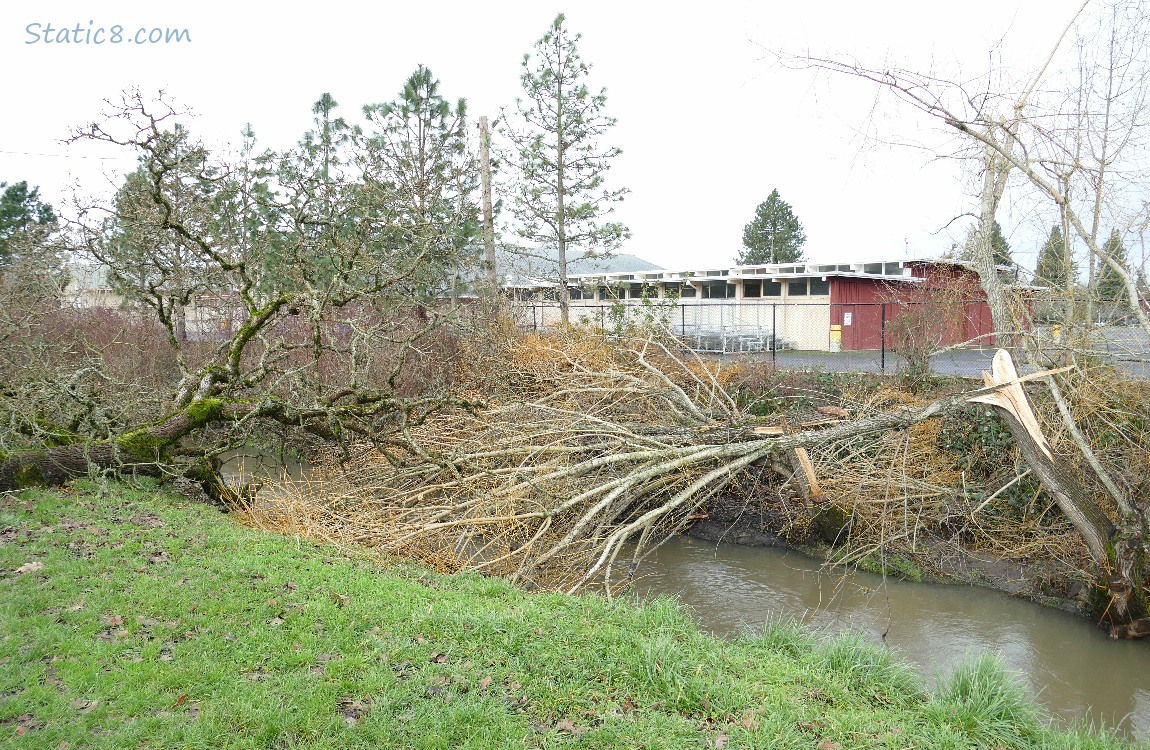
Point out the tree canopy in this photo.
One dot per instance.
(20, 209)
(1052, 269)
(1110, 286)
(558, 199)
(270, 302)
(417, 148)
(774, 235)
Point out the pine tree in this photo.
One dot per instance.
(20, 209)
(775, 235)
(417, 156)
(1000, 246)
(1110, 285)
(1051, 270)
(559, 200)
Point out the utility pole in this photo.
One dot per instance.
(488, 219)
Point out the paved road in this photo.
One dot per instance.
(961, 362)
(1127, 347)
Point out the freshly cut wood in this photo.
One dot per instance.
(1011, 398)
(1014, 406)
(806, 472)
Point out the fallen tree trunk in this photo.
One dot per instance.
(1075, 503)
(1117, 552)
(148, 450)
(552, 491)
(144, 450)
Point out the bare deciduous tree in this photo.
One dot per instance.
(1080, 148)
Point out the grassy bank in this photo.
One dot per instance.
(133, 618)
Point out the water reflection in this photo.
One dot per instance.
(1071, 666)
(244, 465)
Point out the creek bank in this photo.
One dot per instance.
(145, 619)
(748, 522)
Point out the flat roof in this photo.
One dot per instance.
(894, 270)
(766, 271)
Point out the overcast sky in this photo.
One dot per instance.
(708, 122)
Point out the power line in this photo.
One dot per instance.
(68, 156)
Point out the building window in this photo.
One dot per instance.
(872, 268)
(893, 269)
(576, 292)
(772, 289)
(797, 288)
(820, 286)
(753, 288)
(688, 291)
(635, 291)
(718, 290)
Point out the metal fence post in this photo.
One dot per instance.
(774, 334)
(882, 328)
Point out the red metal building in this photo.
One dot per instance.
(942, 301)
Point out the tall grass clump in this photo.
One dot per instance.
(785, 637)
(988, 704)
(862, 664)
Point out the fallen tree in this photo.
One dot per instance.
(599, 454)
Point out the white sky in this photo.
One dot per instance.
(707, 123)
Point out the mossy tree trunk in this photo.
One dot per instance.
(144, 450)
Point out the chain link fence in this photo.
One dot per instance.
(883, 337)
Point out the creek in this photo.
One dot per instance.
(1070, 666)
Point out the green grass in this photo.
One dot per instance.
(986, 702)
(133, 618)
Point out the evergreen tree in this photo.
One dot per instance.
(20, 209)
(321, 206)
(1051, 270)
(418, 157)
(1000, 246)
(775, 235)
(559, 200)
(146, 245)
(1109, 285)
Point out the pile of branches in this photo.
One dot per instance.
(606, 452)
(617, 446)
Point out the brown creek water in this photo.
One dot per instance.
(1070, 666)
